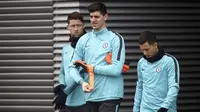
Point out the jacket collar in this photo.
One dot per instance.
(102, 31)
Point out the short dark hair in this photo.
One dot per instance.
(98, 6)
(75, 15)
(147, 36)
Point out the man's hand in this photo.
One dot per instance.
(162, 110)
(86, 87)
(126, 67)
(60, 99)
(57, 89)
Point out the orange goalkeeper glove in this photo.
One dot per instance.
(88, 68)
(108, 59)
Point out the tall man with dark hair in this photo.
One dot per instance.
(70, 96)
(158, 78)
(92, 48)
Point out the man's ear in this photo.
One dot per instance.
(83, 26)
(105, 17)
(156, 44)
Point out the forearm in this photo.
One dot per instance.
(70, 88)
(74, 73)
(115, 69)
(137, 98)
(171, 96)
(61, 75)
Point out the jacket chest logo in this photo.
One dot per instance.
(105, 45)
(158, 69)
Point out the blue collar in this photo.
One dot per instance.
(100, 32)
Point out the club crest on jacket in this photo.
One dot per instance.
(105, 45)
(158, 69)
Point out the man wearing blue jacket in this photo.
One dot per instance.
(92, 48)
(158, 78)
(70, 97)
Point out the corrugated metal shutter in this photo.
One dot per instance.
(176, 25)
(62, 9)
(26, 55)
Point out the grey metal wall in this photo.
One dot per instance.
(33, 32)
(177, 26)
(26, 55)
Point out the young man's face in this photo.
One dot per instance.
(98, 20)
(75, 27)
(149, 50)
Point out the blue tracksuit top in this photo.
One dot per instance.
(157, 85)
(77, 97)
(93, 48)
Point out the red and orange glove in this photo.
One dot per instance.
(88, 68)
(108, 59)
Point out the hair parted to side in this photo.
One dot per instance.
(76, 16)
(147, 36)
(98, 6)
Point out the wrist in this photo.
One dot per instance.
(62, 87)
(80, 81)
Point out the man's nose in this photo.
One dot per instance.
(76, 27)
(144, 52)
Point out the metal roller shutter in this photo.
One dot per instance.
(30, 54)
(26, 55)
(176, 25)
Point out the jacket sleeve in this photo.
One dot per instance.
(173, 82)
(118, 58)
(139, 88)
(62, 73)
(78, 55)
(69, 87)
